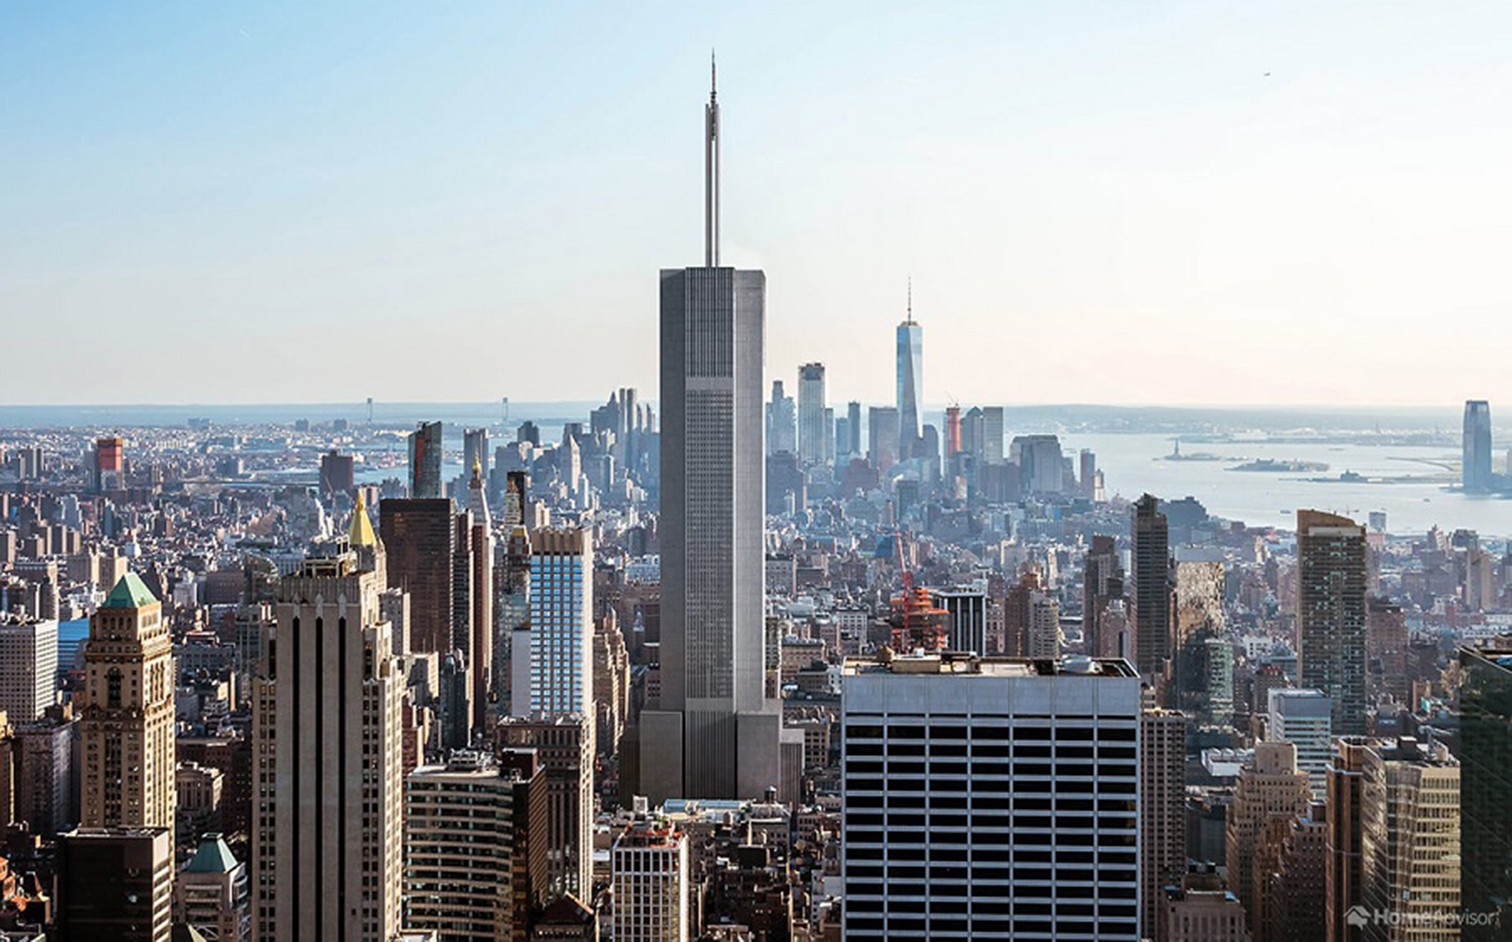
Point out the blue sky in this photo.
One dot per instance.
(1097, 202)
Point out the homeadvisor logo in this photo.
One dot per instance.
(1358, 917)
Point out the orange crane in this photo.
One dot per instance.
(917, 623)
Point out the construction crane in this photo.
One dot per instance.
(917, 623)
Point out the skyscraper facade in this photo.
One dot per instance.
(127, 720)
(1475, 474)
(990, 798)
(115, 883)
(781, 422)
(28, 667)
(561, 624)
(481, 593)
(882, 447)
(327, 844)
(1304, 719)
(419, 539)
(1410, 842)
(425, 452)
(1152, 591)
(714, 717)
(1162, 807)
(812, 438)
(1331, 614)
(910, 382)
(1486, 790)
(853, 428)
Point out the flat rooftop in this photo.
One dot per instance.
(969, 664)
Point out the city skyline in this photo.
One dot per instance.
(261, 224)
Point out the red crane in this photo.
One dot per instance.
(917, 623)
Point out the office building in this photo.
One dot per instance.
(475, 454)
(475, 851)
(1151, 562)
(109, 464)
(1486, 789)
(1199, 909)
(882, 446)
(1043, 639)
(1041, 465)
(478, 533)
(1102, 581)
(1410, 841)
(419, 540)
(1476, 464)
(967, 619)
(337, 474)
(910, 382)
(1162, 808)
(715, 735)
(990, 798)
(651, 883)
(212, 893)
(425, 454)
(990, 437)
(812, 436)
(560, 631)
(28, 667)
(1197, 617)
(327, 841)
(1385, 651)
(564, 746)
(781, 422)
(1269, 786)
(43, 752)
(1087, 474)
(116, 884)
(1341, 871)
(1331, 614)
(127, 718)
(853, 428)
(512, 621)
(1304, 718)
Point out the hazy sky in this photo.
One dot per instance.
(1098, 202)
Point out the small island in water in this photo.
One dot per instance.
(1277, 466)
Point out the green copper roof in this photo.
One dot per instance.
(130, 592)
(213, 856)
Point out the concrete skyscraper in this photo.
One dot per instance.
(327, 738)
(127, 718)
(1331, 614)
(781, 422)
(910, 381)
(425, 460)
(1475, 472)
(715, 735)
(811, 423)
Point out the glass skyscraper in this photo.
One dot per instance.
(1486, 792)
(1476, 468)
(910, 384)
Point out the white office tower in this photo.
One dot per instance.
(557, 667)
(1304, 718)
(327, 840)
(714, 735)
(650, 882)
(28, 667)
(990, 798)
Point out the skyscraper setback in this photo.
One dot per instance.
(714, 735)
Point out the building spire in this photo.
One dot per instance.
(910, 319)
(711, 171)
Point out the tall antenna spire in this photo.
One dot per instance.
(711, 170)
(910, 299)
